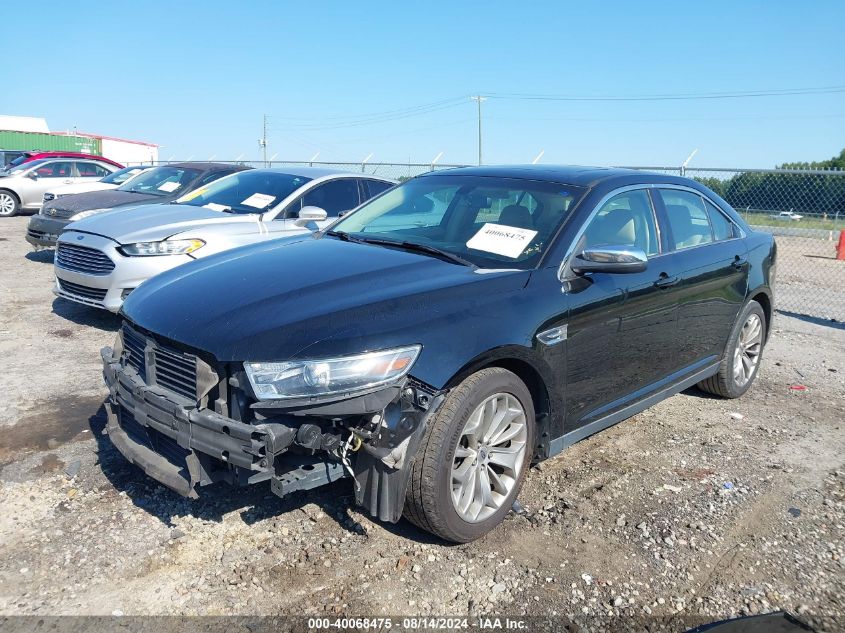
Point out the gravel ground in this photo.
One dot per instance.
(697, 508)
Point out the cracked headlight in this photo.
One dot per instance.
(85, 214)
(346, 375)
(165, 247)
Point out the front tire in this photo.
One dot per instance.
(473, 458)
(9, 204)
(743, 354)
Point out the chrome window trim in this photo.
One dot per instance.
(647, 186)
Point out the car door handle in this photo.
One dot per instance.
(665, 281)
(739, 262)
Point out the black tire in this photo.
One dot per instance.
(723, 383)
(428, 502)
(9, 204)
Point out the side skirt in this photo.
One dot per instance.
(568, 439)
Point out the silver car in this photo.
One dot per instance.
(22, 188)
(101, 259)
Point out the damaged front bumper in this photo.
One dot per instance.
(184, 444)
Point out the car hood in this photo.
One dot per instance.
(326, 297)
(103, 200)
(155, 222)
(82, 187)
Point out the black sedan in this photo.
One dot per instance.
(159, 185)
(434, 343)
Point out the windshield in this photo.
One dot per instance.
(161, 181)
(20, 159)
(490, 222)
(122, 175)
(20, 168)
(252, 191)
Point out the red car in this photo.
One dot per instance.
(27, 157)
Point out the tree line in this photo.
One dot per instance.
(802, 193)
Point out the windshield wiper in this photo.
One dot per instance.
(409, 246)
(346, 237)
(420, 248)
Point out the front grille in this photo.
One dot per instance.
(92, 294)
(152, 439)
(54, 212)
(82, 259)
(134, 345)
(173, 369)
(38, 235)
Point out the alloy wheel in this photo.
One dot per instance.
(7, 204)
(489, 457)
(748, 347)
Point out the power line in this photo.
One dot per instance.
(372, 119)
(671, 97)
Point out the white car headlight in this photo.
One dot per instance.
(165, 247)
(346, 375)
(85, 214)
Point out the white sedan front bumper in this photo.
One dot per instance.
(91, 270)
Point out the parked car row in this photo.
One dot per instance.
(23, 186)
(100, 260)
(429, 345)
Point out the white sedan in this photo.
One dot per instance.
(112, 181)
(101, 259)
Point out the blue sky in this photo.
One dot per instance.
(197, 77)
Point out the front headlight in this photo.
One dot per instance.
(347, 375)
(165, 247)
(85, 214)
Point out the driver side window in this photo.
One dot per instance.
(627, 219)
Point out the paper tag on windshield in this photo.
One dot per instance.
(500, 239)
(258, 200)
(169, 187)
(215, 207)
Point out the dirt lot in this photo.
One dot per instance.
(810, 278)
(698, 507)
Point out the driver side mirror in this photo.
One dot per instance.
(33, 175)
(609, 259)
(309, 216)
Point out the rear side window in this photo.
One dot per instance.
(91, 170)
(723, 229)
(689, 223)
(372, 188)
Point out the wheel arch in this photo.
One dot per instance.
(764, 298)
(12, 192)
(534, 373)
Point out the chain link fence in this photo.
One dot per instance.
(803, 209)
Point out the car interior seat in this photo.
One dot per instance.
(684, 231)
(516, 215)
(616, 227)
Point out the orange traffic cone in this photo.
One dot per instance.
(840, 249)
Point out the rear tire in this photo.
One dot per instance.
(9, 204)
(473, 458)
(743, 353)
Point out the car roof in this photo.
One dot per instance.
(205, 166)
(567, 174)
(320, 172)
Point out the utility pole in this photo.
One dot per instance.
(263, 140)
(479, 99)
